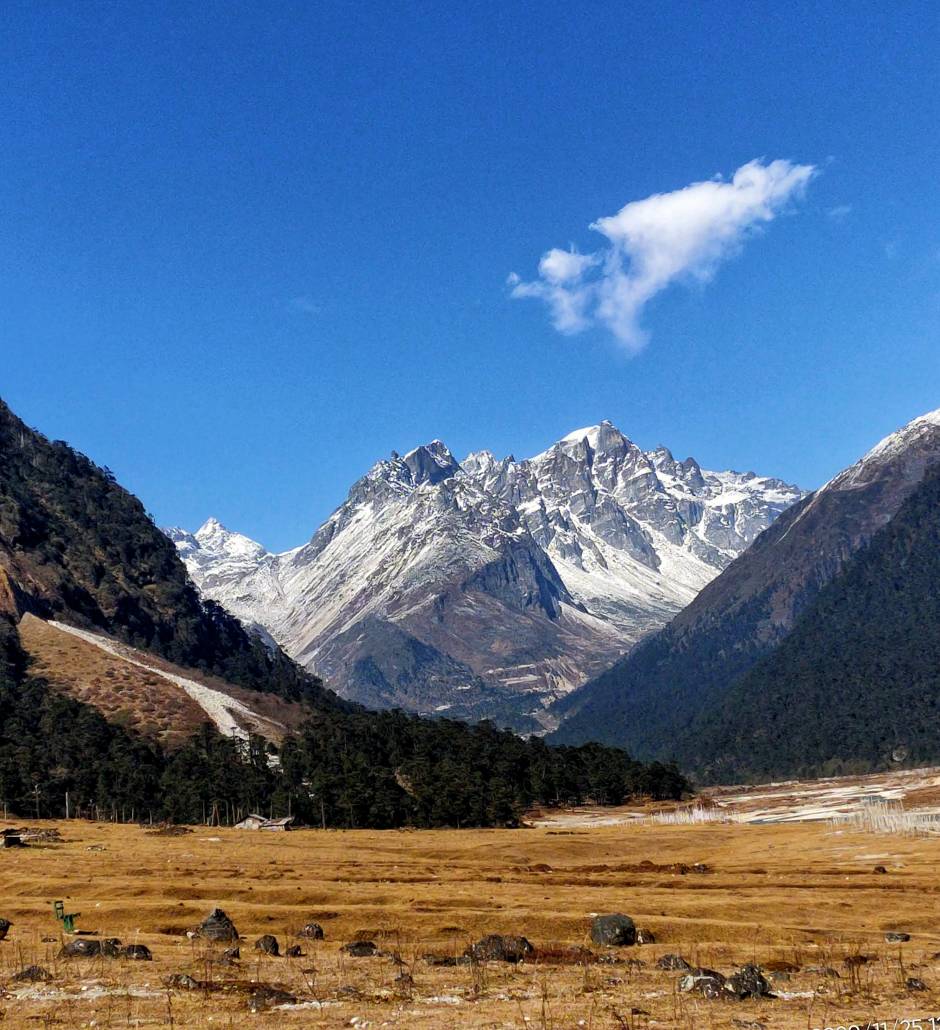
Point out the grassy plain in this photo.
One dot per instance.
(802, 894)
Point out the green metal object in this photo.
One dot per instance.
(67, 919)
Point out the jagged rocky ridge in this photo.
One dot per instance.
(717, 686)
(490, 588)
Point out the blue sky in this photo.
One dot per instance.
(247, 249)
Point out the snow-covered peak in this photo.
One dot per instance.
(912, 439)
(529, 574)
(213, 538)
(604, 438)
(479, 462)
(903, 437)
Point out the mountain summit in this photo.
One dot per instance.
(488, 587)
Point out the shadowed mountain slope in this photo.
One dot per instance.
(652, 699)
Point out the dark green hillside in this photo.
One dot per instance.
(654, 701)
(77, 546)
(856, 685)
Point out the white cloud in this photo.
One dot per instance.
(656, 241)
(839, 212)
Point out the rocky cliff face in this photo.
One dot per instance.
(491, 587)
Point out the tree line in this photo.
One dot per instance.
(342, 769)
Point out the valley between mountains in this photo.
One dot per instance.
(490, 588)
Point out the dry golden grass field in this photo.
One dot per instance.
(801, 898)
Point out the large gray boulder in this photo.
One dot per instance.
(615, 930)
(217, 927)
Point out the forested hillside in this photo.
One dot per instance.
(76, 546)
(856, 686)
(73, 543)
(656, 700)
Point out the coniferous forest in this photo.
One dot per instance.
(77, 546)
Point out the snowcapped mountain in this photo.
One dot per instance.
(490, 588)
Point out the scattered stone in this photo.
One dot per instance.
(673, 962)
(231, 955)
(50, 835)
(706, 982)
(895, 937)
(294, 951)
(312, 932)
(748, 982)
(49, 940)
(853, 961)
(913, 984)
(360, 949)
(170, 831)
(823, 971)
(268, 945)
(496, 947)
(137, 953)
(183, 982)
(404, 984)
(111, 947)
(5, 925)
(217, 927)
(445, 960)
(748, 1024)
(263, 996)
(645, 937)
(80, 948)
(615, 930)
(32, 974)
(700, 867)
(779, 977)
(879, 869)
(350, 992)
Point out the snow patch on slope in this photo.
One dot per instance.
(219, 707)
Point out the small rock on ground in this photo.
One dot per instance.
(311, 931)
(673, 962)
(497, 947)
(616, 930)
(268, 945)
(32, 974)
(80, 948)
(137, 953)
